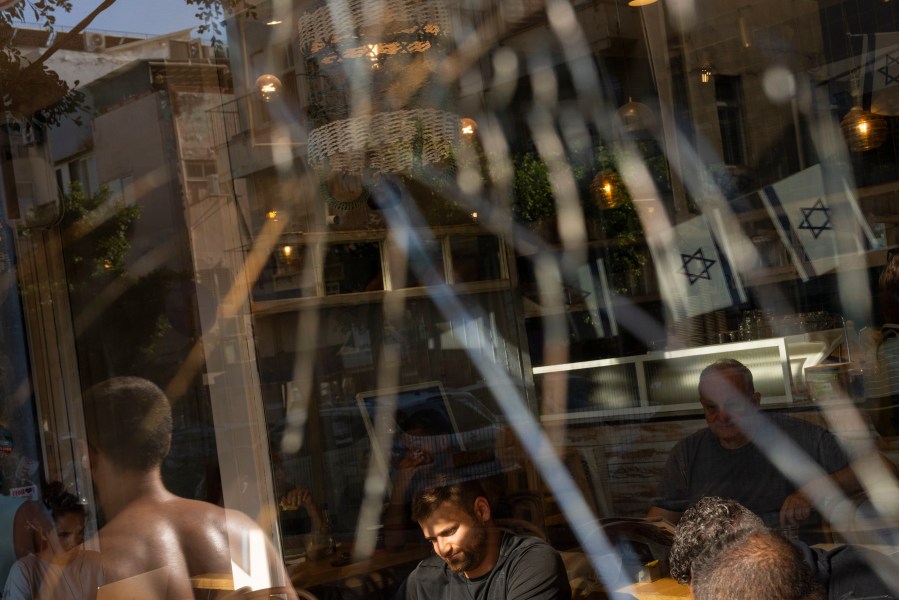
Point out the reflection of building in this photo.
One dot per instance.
(147, 143)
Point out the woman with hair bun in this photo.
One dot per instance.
(62, 569)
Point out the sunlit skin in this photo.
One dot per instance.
(468, 543)
(730, 409)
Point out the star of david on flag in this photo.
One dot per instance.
(816, 219)
(695, 274)
(696, 266)
(880, 73)
(804, 213)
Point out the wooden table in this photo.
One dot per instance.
(213, 581)
(312, 573)
(665, 588)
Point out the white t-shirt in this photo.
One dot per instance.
(33, 578)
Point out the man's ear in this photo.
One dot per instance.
(482, 509)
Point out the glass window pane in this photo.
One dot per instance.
(475, 258)
(424, 265)
(286, 274)
(354, 267)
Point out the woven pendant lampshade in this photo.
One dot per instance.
(636, 116)
(863, 130)
(386, 52)
(608, 190)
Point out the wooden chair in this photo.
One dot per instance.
(589, 481)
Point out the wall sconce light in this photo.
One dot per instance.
(287, 251)
(468, 128)
(268, 86)
(705, 74)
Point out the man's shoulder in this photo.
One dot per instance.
(525, 543)
(168, 524)
(531, 565)
(530, 551)
(797, 427)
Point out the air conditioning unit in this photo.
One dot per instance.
(94, 41)
(213, 185)
(21, 132)
(178, 50)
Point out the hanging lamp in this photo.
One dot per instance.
(862, 129)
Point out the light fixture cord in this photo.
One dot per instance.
(855, 90)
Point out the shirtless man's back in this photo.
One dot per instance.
(128, 423)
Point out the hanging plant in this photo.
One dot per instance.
(533, 192)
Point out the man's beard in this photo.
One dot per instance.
(474, 552)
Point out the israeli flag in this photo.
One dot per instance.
(880, 73)
(695, 274)
(816, 225)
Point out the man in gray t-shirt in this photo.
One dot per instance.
(732, 457)
(472, 558)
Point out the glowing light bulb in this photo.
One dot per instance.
(468, 128)
(268, 86)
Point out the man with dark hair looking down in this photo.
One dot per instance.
(473, 558)
(129, 429)
(728, 458)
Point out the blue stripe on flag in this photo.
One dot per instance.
(727, 270)
(784, 221)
